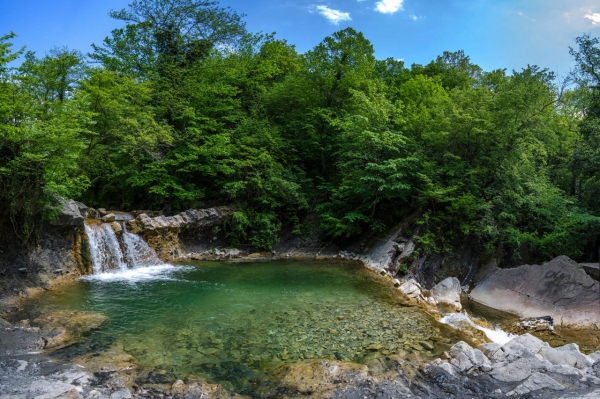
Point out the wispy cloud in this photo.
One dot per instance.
(594, 17)
(334, 16)
(388, 6)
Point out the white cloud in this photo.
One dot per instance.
(334, 16)
(388, 6)
(595, 17)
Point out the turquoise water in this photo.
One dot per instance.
(230, 321)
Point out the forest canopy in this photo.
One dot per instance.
(184, 108)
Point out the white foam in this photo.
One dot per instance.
(158, 272)
(496, 335)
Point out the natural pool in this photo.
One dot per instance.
(231, 321)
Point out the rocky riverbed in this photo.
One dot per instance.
(525, 367)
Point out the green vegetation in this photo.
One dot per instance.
(184, 108)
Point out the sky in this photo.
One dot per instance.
(493, 33)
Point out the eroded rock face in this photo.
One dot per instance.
(558, 289)
(162, 232)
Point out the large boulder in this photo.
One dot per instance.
(448, 292)
(559, 289)
(69, 214)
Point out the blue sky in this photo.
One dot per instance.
(494, 33)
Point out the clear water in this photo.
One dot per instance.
(230, 321)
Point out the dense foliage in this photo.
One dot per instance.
(182, 107)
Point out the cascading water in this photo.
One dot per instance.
(111, 253)
(105, 248)
(462, 320)
(137, 251)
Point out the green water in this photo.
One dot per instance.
(230, 321)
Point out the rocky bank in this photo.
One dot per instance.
(524, 367)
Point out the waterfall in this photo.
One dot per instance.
(105, 249)
(458, 321)
(137, 251)
(111, 253)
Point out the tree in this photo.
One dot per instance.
(161, 34)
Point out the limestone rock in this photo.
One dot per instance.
(116, 228)
(69, 214)
(448, 292)
(162, 232)
(109, 217)
(536, 382)
(411, 289)
(516, 362)
(559, 289)
(469, 360)
(567, 355)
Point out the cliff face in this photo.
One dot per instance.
(61, 254)
(173, 236)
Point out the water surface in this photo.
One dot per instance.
(229, 321)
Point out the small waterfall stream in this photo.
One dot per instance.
(461, 321)
(111, 253)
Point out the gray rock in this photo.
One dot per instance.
(594, 356)
(121, 394)
(528, 341)
(448, 292)
(559, 289)
(595, 369)
(69, 214)
(536, 382)
(466, 359)
(566, 355)
(515, 363)
(410, 288)
(489, 349)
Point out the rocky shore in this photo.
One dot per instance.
(525, 367)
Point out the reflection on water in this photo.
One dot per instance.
(228, 321)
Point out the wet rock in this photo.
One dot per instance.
(108, 218)
(558, 289)
(448, 292)
(317, 378)
(201, 389)
(544, 323)
(65, 327)
(116, 227)
(536, 382)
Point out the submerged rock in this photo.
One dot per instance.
(65, 327)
